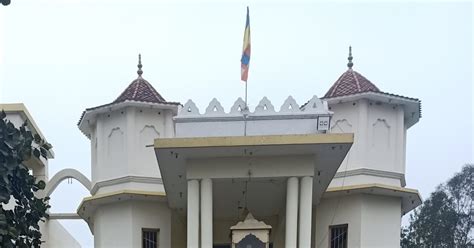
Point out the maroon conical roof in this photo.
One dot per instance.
(350, 82)
(140, 90)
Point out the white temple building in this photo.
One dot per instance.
(328, 173)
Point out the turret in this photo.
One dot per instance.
(120, 132)
(379, 121)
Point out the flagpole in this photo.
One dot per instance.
(245, 67)
(246, 105)
(245, 111)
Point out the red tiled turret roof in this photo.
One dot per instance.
(350, 82)
(140, 90)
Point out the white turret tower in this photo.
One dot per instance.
(367, 193)
(124, 167)
(379, 121)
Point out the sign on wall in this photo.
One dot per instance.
(323, 123)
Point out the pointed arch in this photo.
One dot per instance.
(65, 174)
(341, 126)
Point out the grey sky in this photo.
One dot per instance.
(59, 57)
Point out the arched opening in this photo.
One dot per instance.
(64, 212)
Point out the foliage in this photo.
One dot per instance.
(19, 223)
(446, 218)
(5, 2)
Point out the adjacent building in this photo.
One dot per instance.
(53, 233)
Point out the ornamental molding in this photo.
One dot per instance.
(372, 172)
(125, 179)
(265, 110)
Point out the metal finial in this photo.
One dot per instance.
(140, 72)
(350, 64)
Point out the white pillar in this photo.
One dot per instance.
(291, 212)
(306, 205)
(206, 213)
(193, 214)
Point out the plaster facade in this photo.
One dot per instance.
(300, 169)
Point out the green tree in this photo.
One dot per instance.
(446, 218)
(19, 223)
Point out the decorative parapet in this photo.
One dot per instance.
(313, 117)
(290, 107)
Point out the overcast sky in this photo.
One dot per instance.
(62, 56)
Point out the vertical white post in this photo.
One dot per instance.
(193, 214)
(206, 213)
(291, 212)
(306, 204)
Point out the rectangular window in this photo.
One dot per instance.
(338, 235)
(150, 238)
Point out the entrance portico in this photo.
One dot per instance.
(279, 176)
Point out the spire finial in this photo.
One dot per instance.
(140, 72)
(350, 64)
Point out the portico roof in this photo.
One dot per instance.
(410, 198)
(324, 152)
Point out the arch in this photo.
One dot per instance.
(341, 126)
(64, 174)
(381, 134)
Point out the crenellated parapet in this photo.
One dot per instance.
(290, 118)
(264, 107)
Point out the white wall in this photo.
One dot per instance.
(120, 224)
(373, 221)
(58, 237)
(112, 225)
(109, 139)
(379, 139)
(151, 215)
(381, 221)
(256, 127)
(338, 211)
(346, 120)
(121, 138)
(385, 137)
(119, 143)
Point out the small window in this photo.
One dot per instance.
(150, 238)
(338, 235)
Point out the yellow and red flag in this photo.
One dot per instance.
(245, 60)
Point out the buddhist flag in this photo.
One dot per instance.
(245, 60)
